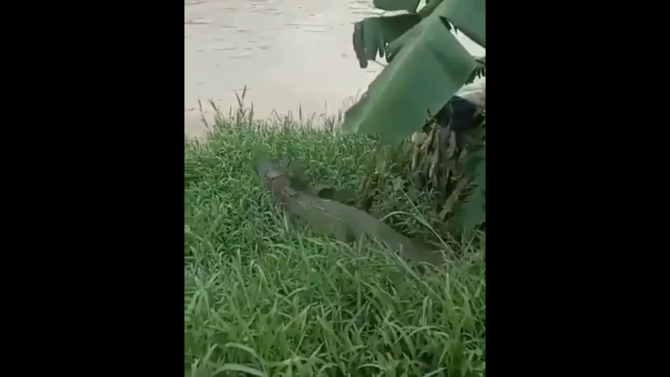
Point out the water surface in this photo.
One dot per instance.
(288, 53)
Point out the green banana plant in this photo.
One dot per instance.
(427, 64)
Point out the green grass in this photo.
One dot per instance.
(263, 298)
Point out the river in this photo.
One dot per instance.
(290, 54)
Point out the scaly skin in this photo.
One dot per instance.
(334, 218)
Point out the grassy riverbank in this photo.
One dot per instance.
(264, 298)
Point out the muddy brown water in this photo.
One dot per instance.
(290, 54)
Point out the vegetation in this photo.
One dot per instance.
(427, 64)
(266, 297)
(415, 92)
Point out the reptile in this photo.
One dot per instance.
(334, 218)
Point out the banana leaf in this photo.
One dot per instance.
(428, 8)
(393, 5)
(429, 65)
(373, 34)
(468, 16)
